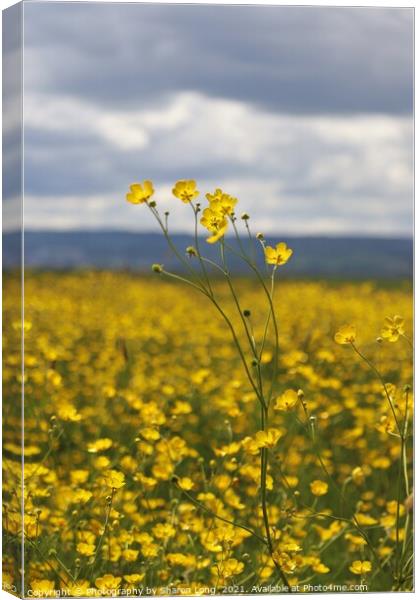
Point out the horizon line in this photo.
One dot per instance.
(352, 235)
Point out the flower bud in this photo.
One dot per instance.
(358, 476)
(157, 268)
(247, 313)
(245, 216)
(191, 251)
(260, 236)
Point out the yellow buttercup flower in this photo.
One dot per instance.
(151, 434)
(186, 190)
(318, 487)
(43, 588)
(130, 555)
(107, 583)
(360, 567)
(185, 483)
(81, 496)
(221, 202)
(358, 475)
(393, 328)
(114, 479)
(228, 568)
(319, 567)
(163, 530)
(346, 334)
(215, 222)
(140, 192)
(85, 549)
(100, 445)
(81, 589)
(286, 401)
(134, 578)
(269, 438)
(278, 255)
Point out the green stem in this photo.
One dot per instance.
(197, 247)
(216, 516)
(273, 314)
(381, 379)
(402, 472)
(264, 465)
(244, 323)
(226, 319)
(171, 244)
(101, 539)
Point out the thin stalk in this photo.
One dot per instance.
(311, 433)
(46, 561)
(101, 539)
(197, 247)
(381, 379)
(216, 516)
(252, 242)
(273, 314)
(244, 323)
(402, 472)
(227, 320)
(170, 243)
(410, 342)
(264, 464)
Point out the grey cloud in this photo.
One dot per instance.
(290, 59)
(303, 113)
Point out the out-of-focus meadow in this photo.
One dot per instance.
(136, 412)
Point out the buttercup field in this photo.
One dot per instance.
(199, 433)
(208, 299)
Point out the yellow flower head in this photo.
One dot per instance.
(278, 255)
(215, 222)
(114, 479)
(360, 567)
(42, 587)
(186, 190)
(100, 445)
(318, 487)
(358, 475)
(286, 401)
(393, 328)
(85, 549)
(163, 530)
(134, 578)
(346, 334)
(81, 496)
(268, 438)
(107, 583)
(221, 202)
(140, 192)
(185, 483)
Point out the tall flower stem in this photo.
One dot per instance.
(204, 286)
(381, 379)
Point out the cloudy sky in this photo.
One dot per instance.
(304, 114)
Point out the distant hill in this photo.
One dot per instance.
(338, 257)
